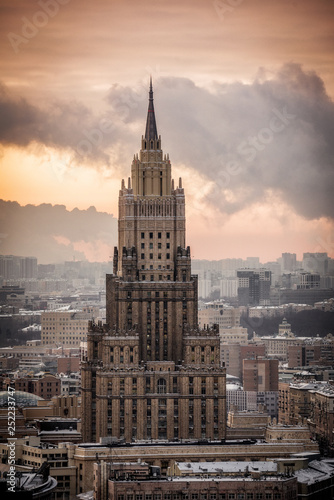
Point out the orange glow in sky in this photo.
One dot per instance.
(243, 99)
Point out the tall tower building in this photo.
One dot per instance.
(150, 373)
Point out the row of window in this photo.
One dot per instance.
(142, 246)
(159, 235)
(142, 256)
(202, 496)
(143, 277)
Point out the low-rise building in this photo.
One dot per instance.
(31, 453)
(321, 418)
(45, 385)
(240, 480)
(66, 327)
(277, 345)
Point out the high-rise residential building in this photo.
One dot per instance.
(150, 372)
(254, 286)
(315, 262)
(28, 267)
(253, 262)
(15, 267)
(309, 280)
(228, 287)
(289, 261)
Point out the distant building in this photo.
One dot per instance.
(219, 313)
(253, 286)
(252, 400)
(303, 354)
(45, 386)
(277, 345)
(309, 280)
(294, 401)
(68, 364)
(67, 328)
(321, 417)
(289, 262)
(228, 287)
(248, 419)
(16, 267)
(315, 262)
(233, 352)
(260, 374)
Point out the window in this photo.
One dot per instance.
(142, 245)
(142, 256)
(159, 245)
(143, 277)
(167, 245)
(159, 256)
(151, 236)
(167, 235)
(143, 235)
(151, 246)
(161, 386)
(167, 256)
(152, 277)
(151, 255)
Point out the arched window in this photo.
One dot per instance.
(162, 387)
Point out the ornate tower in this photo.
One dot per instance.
(150, 349)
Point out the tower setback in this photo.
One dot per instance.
(150, 373)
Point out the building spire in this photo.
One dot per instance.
(151, 132)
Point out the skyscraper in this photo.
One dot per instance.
(150, 365)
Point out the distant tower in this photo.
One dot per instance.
(150, 364)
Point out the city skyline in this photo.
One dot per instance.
(243, 97)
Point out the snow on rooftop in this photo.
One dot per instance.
(226, 467)
(316, 471)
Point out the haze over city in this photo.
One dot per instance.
(243, 97)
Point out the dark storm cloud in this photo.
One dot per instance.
(274, 135)
(52, 233)
(66, 125)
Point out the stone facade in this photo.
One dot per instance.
(164, 456)
(321, 419)
(150, 364)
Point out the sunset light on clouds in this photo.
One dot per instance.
(243, 95)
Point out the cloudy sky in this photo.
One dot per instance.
(244, 104)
